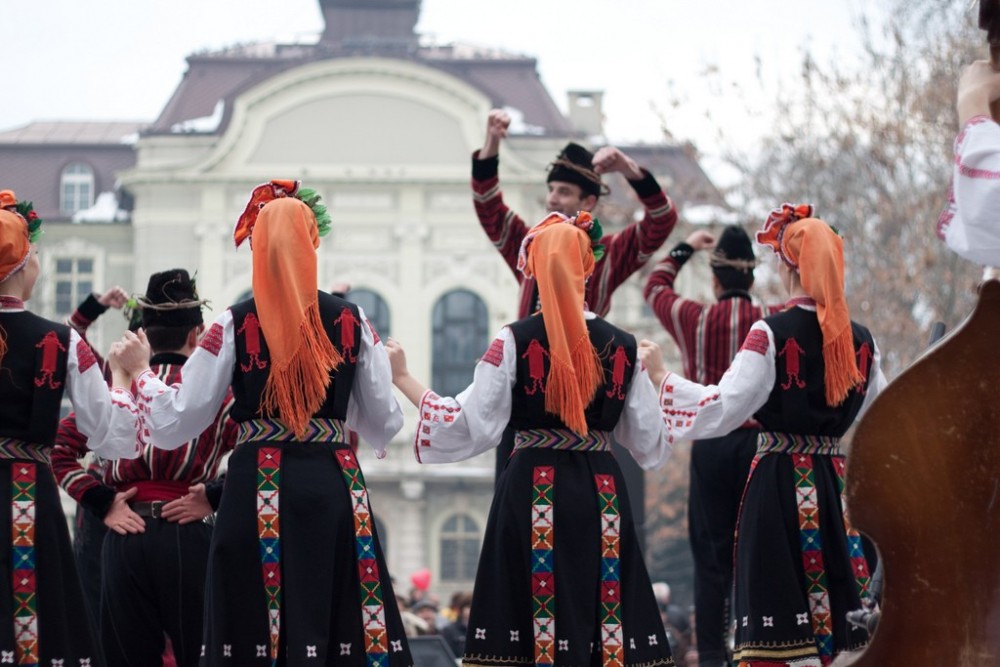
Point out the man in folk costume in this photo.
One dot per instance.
(561, 579)
(156, 553)
(800, 566)
(574, 184)
(43, 617)
(970, 224)
(296, 574)
(709, 336)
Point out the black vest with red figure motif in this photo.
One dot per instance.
(617, 350)
(342, 322)
(797, 403)
(32, 377)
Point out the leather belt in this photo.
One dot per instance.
(152, 509)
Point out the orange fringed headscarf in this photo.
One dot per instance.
(560, 257)
(811, 247)
(285, 239)
(15, 249)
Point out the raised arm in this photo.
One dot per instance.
(679, 316)
(504, 228)
(626, 251)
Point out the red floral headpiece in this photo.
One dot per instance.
(773, 233)
(277, 189)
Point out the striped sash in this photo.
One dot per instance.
(562, 438)
(12, 448)
(772, 442)
(273, 430)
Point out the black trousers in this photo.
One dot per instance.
(719, 470)
(88, 536)
(153, 586)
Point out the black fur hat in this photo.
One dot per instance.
(734, 251)
(171, 300)
(575, 164)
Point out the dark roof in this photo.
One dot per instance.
(35, 155)
(508, 80)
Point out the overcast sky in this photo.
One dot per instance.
(121, 59)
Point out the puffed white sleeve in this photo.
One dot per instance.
(970, 224)
(455, 429)
(372, 409)
(876, 380)
(693, 411)
(108, 417)
(176, 414)
(641, 429)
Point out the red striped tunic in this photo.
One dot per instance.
(709, 336)
(192, 463)
(625, 251)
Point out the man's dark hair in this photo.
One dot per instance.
(167, 339)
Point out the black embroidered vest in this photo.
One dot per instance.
(32, 377)
(342, 322)
(797, 403)
(617, 350)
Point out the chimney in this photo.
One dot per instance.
(586, 112)
(370, 24)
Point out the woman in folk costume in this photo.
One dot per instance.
(805, 374)
(43, 619)
(561, 579)
(296, 575)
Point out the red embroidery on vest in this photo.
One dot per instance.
(494, 355)
(374, 333)
(51, 347)
(756, 341)
(251, 343)
(84, 356)
(212, 340)
(791, 352)
(536, 366)
(347, 321)
(865, 357)
(619, 360)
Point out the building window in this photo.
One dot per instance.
(74, 280)
(77, 191)
(460, 338)
(459, 548)
(375, 309)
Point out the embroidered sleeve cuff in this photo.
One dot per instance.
(647, 186)
(681, 253)
(86, 313)
(485, 169)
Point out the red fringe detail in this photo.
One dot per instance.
(295, 391)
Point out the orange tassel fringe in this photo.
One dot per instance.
(571, 387)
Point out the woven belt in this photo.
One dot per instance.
(12, 448)
(771, 442)
(152, 508)
(272, 430)
(562, 438)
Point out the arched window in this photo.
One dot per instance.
(460, 338)
(459, 548)
(375, 309)
(76, 188)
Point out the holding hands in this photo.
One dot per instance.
(129, 357)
